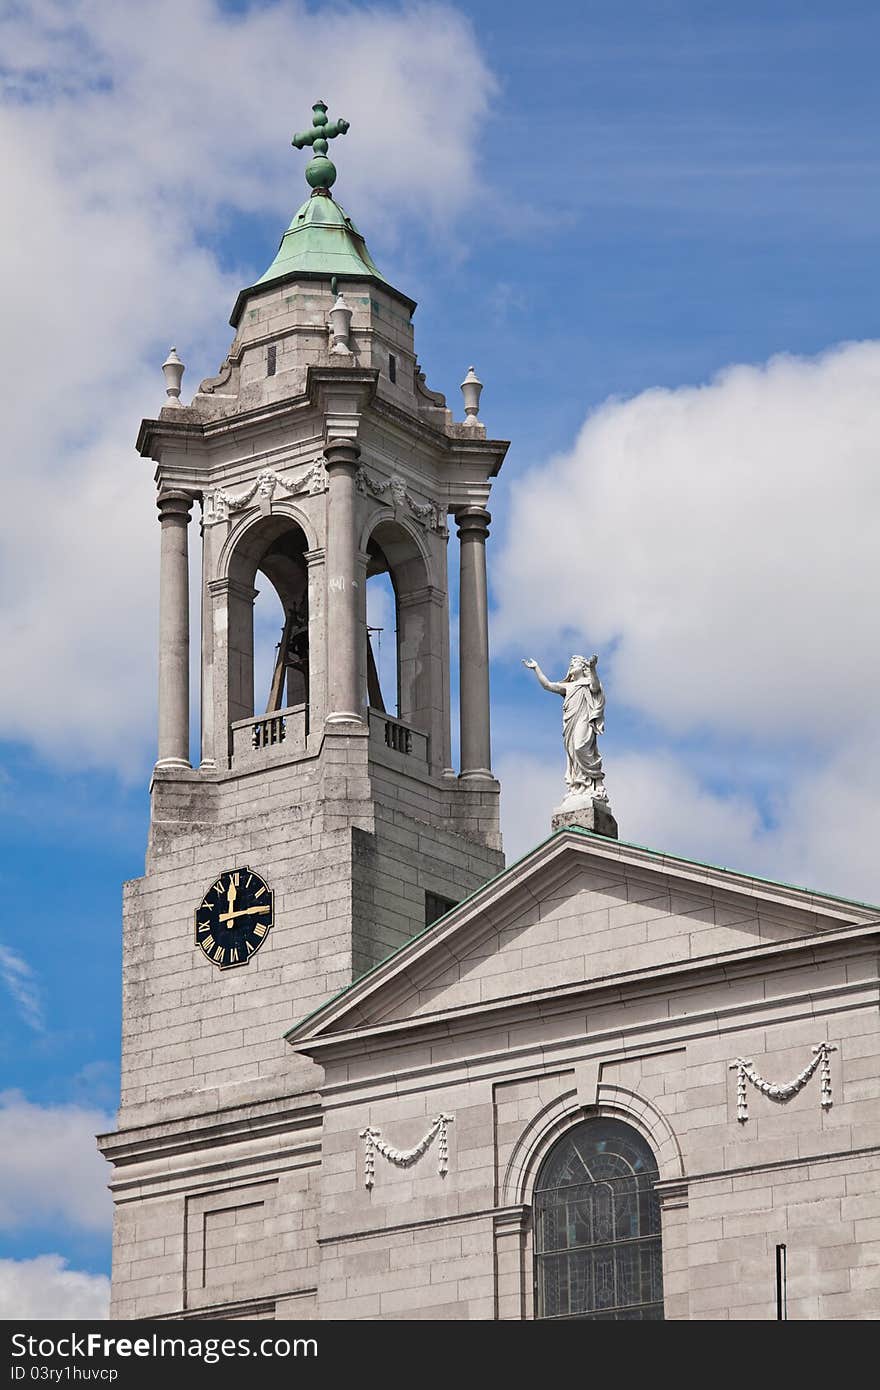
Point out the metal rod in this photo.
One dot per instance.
(781, 1291)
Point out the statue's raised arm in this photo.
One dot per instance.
(558, 687)
(583, 719)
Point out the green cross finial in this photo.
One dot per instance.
(320, 171)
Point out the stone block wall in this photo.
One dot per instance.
(216, 1216)
(349, 847)
(793, 1172)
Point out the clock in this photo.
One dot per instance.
(234, 917)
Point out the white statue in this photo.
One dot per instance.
(583, 719)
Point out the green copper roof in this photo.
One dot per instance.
(321, 241)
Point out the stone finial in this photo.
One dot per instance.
(320, 171)
(340, 325)
(173, 370)
(471, 389)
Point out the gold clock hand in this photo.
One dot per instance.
(231, 893)
(244, 912)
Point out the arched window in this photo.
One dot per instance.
(273, 549)
(597, 1227)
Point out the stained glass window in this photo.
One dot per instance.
(597, 1227)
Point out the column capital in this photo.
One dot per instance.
(512, 1221)
(174, 504)
(341, 453)
(222, 588)
(473, 521)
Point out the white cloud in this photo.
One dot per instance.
(718, 545)
(50, 1168)
(126, 134)
(642, 789)
(662, 803)
(45, 1288)
(724, 537)
(20, 981)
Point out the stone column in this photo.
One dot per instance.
(212, 537)
(344, 699)
(473, 630)
(174, 509)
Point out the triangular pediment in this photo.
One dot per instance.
(579, 910)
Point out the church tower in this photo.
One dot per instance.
(322, 827)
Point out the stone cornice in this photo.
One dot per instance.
(475, 1056)
(193, 435)
(718, 967)
(537, 875)
(239, 1124)
(247, 1308)
(183, 430)
(186, 429)
(457, 450)
(345, 278)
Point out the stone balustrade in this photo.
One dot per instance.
(264, 736)
(390, 733)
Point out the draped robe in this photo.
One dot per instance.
(583, 719)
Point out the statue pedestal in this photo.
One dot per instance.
(587, 813)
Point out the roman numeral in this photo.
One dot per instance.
(208, 943)
(219, 955)
(261, 892)
(203, 926)
(250, 879)
(233, 954)
(261, 928)
(250, 947)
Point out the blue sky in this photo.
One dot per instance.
(652, 227)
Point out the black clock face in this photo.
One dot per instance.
(234, 918)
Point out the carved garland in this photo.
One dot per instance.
(426, 513)
(218, 504)
(784, 1091)
(404, 1158)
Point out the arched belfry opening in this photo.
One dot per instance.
(406, 665)
(283, 564)
(271, 552)
(383, 689)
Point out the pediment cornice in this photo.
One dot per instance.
(819, 924)
(345, 1037)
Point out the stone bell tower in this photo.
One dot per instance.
(317, 458)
